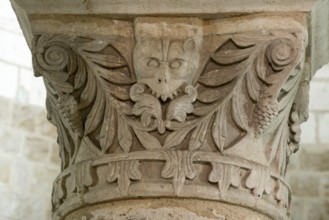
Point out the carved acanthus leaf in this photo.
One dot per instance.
(225, 176)
(181, 106)
(179, 166)
(108, 131)
(83, 177)
(147, 140)
(59, 193)
(87, 81)
(69, 147)
(282, 194)
(146, 106)
(251, 73)
(198, 135)
(124, 134)
(175, 138)
(123, 172)
(219, 129)
(257, 181)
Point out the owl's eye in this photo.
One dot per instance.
(175, 64)
(153, 62)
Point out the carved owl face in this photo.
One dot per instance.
(165, 64)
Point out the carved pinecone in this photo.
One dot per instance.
(265, 112)
(68, 107)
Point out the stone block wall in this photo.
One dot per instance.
(29, 159)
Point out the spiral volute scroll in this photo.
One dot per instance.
(281, 53)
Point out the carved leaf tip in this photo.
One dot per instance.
(224, 175)
(123, 172)
(179, 166)
(125, 137)
(258, 180)
(147, 140)
(219, 129)
(83, 176)
(198, 136)
(226, 56)
(96, 114)
(108, 130)
(175, 138)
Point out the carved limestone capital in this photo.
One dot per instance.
(197, 107)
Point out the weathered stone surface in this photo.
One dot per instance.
(169, 209)
(204, 107)
(316, 9)
(184, 7)
(183, 103)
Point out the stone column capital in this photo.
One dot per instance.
(205, 105)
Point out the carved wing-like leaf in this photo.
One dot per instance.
(249, 73)
(88, 71)
(110, 65)
(282, 194)
(180, 107)
(219, 129)
(283, 76)
(146, 106)
(224, 175)
(149, 108)
(175, 138)
(221, 87)
(124, 134)
(111, 60)
(96, 115)
(108, 131)
(83, 176)
(227, 56)
(213, 79)
(147, 140)
(106, 69)
(123, 172)
(257, 181)
(68, 147)
(179, 166)
(198, 136)
(238, 113)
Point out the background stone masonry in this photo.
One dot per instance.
(29, 160)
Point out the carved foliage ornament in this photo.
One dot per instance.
(175, 104)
